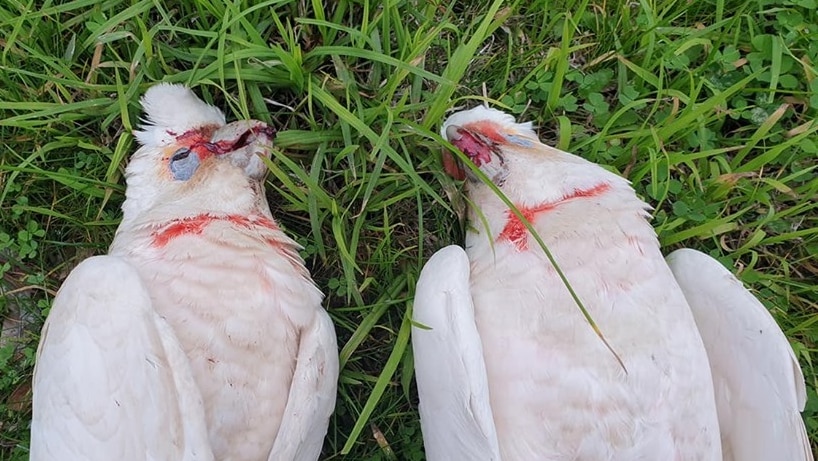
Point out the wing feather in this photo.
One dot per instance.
(455, 411)
(758, 382)
(312, 395)
(111, 381)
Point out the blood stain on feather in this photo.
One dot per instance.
(195, 225)
(515, 231)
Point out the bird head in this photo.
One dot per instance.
(483, 134)
(191, 162)
(511, 155)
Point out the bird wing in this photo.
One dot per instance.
(312, 394)
(758, 382)
(111, 381)
(455, 411)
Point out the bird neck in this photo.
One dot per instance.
(195, 225)
(515, 230)
(592, 211)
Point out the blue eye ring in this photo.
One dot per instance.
(183, 164)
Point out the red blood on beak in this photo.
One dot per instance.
(452, 166)
(475, 145)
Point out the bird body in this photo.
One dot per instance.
(253, 351)
(555, 390)
(226, 287)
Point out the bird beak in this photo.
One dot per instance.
(450, 164)
(452, 167)
(245, 143)
(453, 133)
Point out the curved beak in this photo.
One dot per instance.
(453, 133)
(245, 142)
(450, 164)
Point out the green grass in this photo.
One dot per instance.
(708, 107)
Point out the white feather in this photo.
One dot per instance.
(758, 382)
(171, 110)
(101, 319)
(312, 396)
(455, 412)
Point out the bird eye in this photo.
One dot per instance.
(183, 163)
(180, 154)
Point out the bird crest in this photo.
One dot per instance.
(171, 110)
